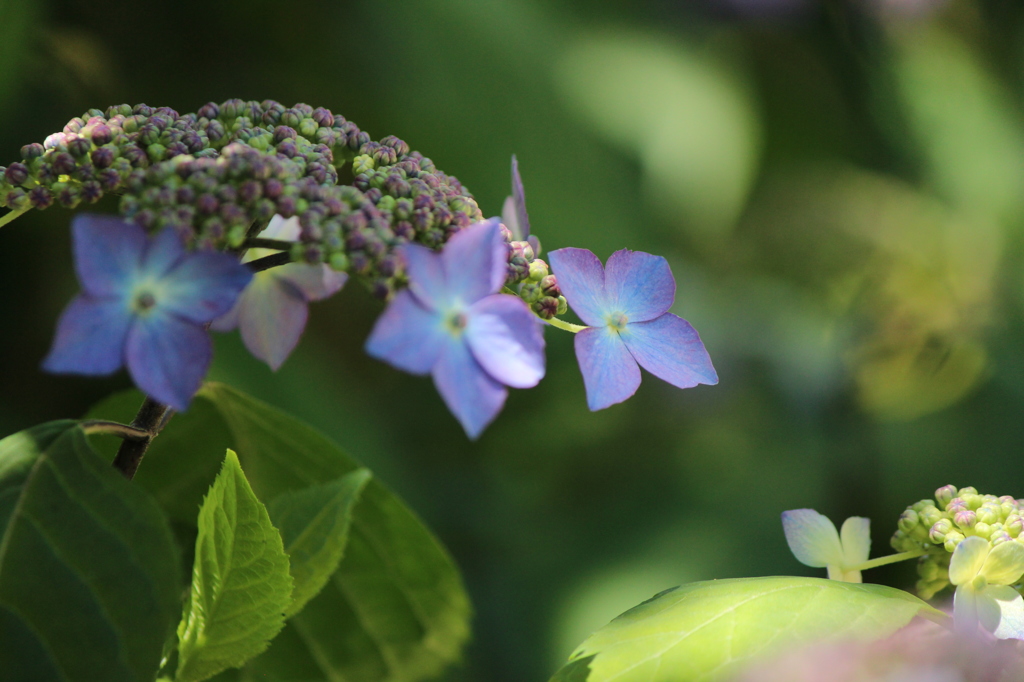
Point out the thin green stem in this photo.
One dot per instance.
(12, 215)
(884, 560)
(567, 326)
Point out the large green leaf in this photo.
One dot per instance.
(706, 631)
(394, 611)
(241, 583)
(314, 524)
(89, 585)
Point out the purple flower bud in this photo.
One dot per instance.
(286, 206)
(68, 196)
(16, 174)
(63, 163)
(16, 199)
(323, 117)
(175, 149)
(185, 195)
(79, 146)
(227, 193)
(955, 505)
(400, 146)
(282, 133)
(32, 151)
(272, 188)
(945, 495)
(142, 110)
(210, 110)
(136, 156)
(546, 308)
(101, 135)
(74, 125)
(103, 157)
(92, 191)
(207, 203)
(40, 197)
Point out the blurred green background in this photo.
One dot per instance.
(838, 185)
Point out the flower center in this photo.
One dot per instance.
(617, 321)
(979, 583)
(143, 302)
(456, 323)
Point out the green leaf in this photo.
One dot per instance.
(240, 582)
(706, 631)
(394, 611)
(314, 523)
(88, 569)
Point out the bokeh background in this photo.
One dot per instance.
(838, 185)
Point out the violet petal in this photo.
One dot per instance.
(107, 253)
(90, 337)
(476, 261)
(467, 389)
(426, 276)
(507, 340)
(407, 335)
(581, 279)
(168, 357)
(670, 349)
(610, 374)
(639, 284)
(203, 286)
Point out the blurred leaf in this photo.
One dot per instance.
(395, 610)
(686, 114)
(241, 584)
(88, 570)
(314, 524)
(968, 128)
(705, 630)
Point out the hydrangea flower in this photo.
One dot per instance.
(983, 575)
(814, 541)
(626, 307)
(451, 324)
(513, 212)
(145, 303)
(272, 311)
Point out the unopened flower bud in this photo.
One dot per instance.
(16, 174)
(538, 270)
(940, 530)
(998, 537)
(965, 519)
(953, 538)
(908, 521)
(983, 530)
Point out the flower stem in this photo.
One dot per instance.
(882, 561)
(11, 215)
(567, 326)
(260, 243)
(151, 417)
(115, 429)
(267, 262)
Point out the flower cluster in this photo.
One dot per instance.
(305, 199)
(938, 526)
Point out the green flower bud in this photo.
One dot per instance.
(538, 270)
(987, 514)
(339, 261)
(966, 519)
(930, 514)
(939, 530)
(363, 164)
(953, 538)
(563, 306)
(983, 529)
(531, 292)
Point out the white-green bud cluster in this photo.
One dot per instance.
(937, 526)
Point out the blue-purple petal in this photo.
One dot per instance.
(202, 286)
(467, 389)
(271, 317)
(670, 349)
(507, 340)
(168, 357)
(108, 253)
(610, 373)
(476, 261)
(639, 284)
(519, 203)
(163, 252)
(426, 276)
(407, 335)
(90, 337)
(581, 279)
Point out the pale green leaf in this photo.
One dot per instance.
(89, 575)
(240, 582)
(706, 631)
(314, 523)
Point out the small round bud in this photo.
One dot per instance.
(40, 197)
(101, 135)
(362, 164)
(16, 174)
(339, 261)
(953, 538)
(79, 147)
(939, 530)
(908, 521)
(998, 537)
(983, 530)
(32, 151)
(965, 519)
(563, 306)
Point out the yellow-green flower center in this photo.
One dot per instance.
(617, 321)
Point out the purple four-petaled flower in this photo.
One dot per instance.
(451, 324)
(626, 307)
(272, 311)
(144, 304)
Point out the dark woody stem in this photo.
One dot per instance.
(260, 243)
(267, 262)
(151, 418)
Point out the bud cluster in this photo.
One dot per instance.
(938, 526)
(218, 175)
